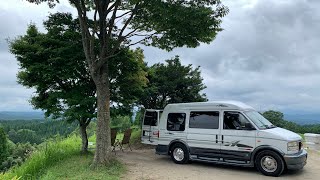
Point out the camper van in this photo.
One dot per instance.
(222, 132)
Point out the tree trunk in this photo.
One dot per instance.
(103, 142)
(84, 138)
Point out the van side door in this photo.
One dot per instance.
(203, 134)
(238, 137)
(173, 127)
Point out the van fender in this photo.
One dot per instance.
(265, 147)
(178, 141)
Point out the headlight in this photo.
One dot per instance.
(293, 146)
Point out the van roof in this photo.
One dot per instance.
(234, 105)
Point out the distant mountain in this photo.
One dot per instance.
(11, 115)
(303, 119)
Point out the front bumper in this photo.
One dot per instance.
(296, 161)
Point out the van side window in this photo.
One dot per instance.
(150, 118)
(204, 120)
(176, 121)
(234, 120)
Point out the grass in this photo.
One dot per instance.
(136, 137)
(47, 155)
(78, 167)
(61, 159)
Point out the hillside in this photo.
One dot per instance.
(303, 119)
(11, 115)
(60, 158)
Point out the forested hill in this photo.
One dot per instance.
(11, 115)
(303, 119)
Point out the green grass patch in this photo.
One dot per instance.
(136, 136)
(92, 138)
(48, 154)
(78, 167)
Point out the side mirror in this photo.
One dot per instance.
(248, 126)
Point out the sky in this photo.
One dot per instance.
(267, 55)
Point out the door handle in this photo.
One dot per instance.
(168, 133)
(217, 138)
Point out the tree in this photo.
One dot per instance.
(275, 117)
(163, 24)
(54, 64)
(3, 146)
(121, 123)
(172, 83)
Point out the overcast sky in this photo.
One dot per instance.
(267, 56)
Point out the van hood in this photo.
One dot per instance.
(280, 133)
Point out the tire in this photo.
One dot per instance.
(179, 154)
(269, 163)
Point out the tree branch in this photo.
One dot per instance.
(147, 37)
(113, 17)
(123, 14)
(134, 10)
(102, 62)
(130, 33)
(84, 30)
(95, 26)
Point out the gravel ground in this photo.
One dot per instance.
(146, 165)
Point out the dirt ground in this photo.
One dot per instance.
(146, 165)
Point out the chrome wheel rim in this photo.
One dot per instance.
(178, 154)
(269, 164)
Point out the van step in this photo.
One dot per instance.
(222, 161)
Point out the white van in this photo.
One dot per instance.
(223, 132)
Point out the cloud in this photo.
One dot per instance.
(267, 55)
(15, 15)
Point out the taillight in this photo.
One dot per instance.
(300, 145)
(156, 133)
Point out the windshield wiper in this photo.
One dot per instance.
(270, 126)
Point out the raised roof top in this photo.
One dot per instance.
(219, 104)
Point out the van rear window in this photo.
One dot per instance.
(204, 120)
(150, 118)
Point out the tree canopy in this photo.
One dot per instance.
(123, 23)
(54, 64)
(275, 117)
(172, 82)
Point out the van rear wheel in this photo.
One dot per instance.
(179, 154)
(270, 163)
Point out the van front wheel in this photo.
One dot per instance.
(179, 154)
(270, 163)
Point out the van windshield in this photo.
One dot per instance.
(259, 120)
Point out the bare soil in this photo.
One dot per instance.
(144, 164)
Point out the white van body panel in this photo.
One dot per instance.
(277, 137)
(280, 133)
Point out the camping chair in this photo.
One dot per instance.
(113, 139)
(126, 139)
